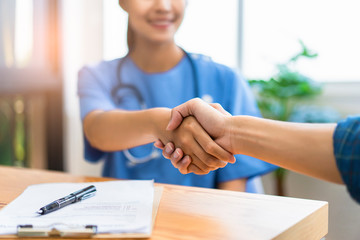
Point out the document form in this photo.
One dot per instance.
(117, 207)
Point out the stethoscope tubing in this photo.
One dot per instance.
(132, 160)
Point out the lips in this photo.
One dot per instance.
(162, 23)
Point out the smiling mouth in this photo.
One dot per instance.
(162, 23)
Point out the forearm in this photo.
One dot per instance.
(304, 148)
(117, 130)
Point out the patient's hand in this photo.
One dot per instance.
(200, 149)
(176, 156)
(211, 117)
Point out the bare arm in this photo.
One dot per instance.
(304, 148)
(117, 130)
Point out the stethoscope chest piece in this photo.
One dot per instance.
(133, 161)
(207, 98)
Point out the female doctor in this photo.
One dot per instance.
(125, 105)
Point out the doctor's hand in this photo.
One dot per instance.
(213, 119)
(194, 142)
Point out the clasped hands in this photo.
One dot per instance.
(212, 148)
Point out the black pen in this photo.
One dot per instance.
(69, 199)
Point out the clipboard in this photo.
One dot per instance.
(27, 231)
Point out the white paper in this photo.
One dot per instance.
(117, 207)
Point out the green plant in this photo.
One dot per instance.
(12, 132)
(5, 133)
(278, 96)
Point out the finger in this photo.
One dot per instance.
(180, 162)
(183, 165)
(218, 107)
(206, 149)
(186, 166)
(180, 112)
(194, 169)
(159, 144)
(220, 155)
(177, 155)
(168, 150)
(200, 164)
(208, 117)
(190, 146)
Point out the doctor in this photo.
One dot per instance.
(125, 105)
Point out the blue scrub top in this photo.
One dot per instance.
(167, 89)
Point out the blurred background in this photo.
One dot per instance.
(278, 45)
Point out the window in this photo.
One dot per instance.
(329, 27)
(209, 27)
(16, 27)
(270, 34)
(30, 84)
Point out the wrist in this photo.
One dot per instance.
(159, 118)
(240, 133)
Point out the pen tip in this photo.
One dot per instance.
(40, 211)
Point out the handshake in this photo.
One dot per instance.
(205, 144)
(302, 147)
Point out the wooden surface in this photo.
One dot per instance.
(199, 213)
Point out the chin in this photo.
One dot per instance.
(160, 39)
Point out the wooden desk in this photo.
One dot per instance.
(199, 213)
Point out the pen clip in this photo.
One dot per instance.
(85, 196)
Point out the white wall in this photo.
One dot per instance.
(80, 20)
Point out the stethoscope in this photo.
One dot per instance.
(155, 153)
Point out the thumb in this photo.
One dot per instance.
(180, 112)
(218, 107)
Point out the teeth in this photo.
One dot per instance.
(161, 22)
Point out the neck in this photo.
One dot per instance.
(156, 57)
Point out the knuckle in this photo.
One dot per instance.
(184, 141)
(195, 100)
(217, 105)
(211, 162)
(207, 159)
(189, 124)
(210, 147)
